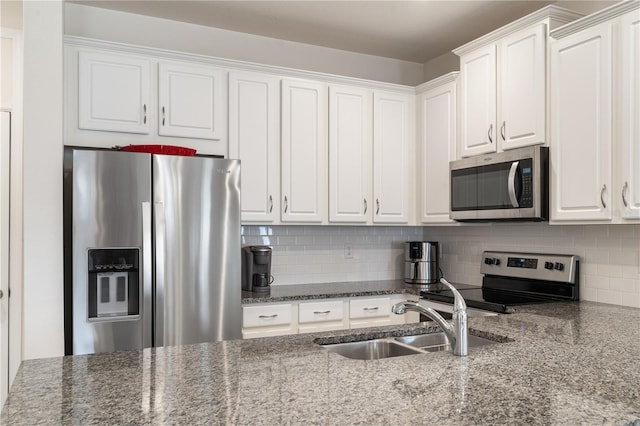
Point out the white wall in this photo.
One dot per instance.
(610, 271)
(148, 31)
(43, 269)
(11, 14)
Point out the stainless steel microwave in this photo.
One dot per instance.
(510, 185)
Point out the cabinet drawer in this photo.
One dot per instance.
(321, 311)
(370, 308)
(266, 315)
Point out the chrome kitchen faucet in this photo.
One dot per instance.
(458, 333)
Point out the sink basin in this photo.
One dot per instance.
(372, 349)
(399, 346)
(435, 342)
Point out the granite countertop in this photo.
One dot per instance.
(566, 363)
(283, 293)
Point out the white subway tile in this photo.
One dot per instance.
(597, 282)
(613, 271)
(608, 296)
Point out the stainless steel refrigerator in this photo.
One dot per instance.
(152, 250)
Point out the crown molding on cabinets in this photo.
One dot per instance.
(558, 15)
(436, 82)
(231, 63)
(607, 14)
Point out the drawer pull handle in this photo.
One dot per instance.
(322, 312)
(374, 308)
(286, 204)
(504, 124)
(270, 204)
(365, 206)
(268, 316)
(624, 190)
(489, 133)
(604, 188)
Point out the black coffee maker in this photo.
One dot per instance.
(256, 268)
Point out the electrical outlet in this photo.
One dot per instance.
(348, 251)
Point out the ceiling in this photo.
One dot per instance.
(415, 31)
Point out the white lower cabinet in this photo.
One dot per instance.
(370, 312)
(318, 315)
(266, 320)
(322, 316)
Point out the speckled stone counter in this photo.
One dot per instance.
(565, 363)
(283, 293)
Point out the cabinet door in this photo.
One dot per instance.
(478, 102)
(191, 101)
(350, 154)
(437, 143)
(390, 158)
(304, 151)
(630, 144)
(581, 114)
(113, 92)
(254, 138)
(523, 67)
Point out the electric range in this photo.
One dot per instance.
(515, 278)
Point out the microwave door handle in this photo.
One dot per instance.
(512, 184)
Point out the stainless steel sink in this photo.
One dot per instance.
(399, 346)
(435, 342)
(372, 349)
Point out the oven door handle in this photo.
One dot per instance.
(512, 184)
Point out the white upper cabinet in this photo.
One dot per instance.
(254, 138)
(113, 92)
(595, 117)
(522, 87)
(629, 195)
(350, 153)
(304, 151)
(391, 171)
(581, 113)
(191, 101)
(503, 84)
(437, 147)
(503, 93)
(478, 102)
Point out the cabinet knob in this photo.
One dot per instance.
(624, 190)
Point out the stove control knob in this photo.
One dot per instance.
(559, 266)
(496, 261)
(488, 261)
(548, 265)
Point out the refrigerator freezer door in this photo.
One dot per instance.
(197, 242)
(110, 200)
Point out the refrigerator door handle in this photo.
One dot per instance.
(160, 227)
(147, 283)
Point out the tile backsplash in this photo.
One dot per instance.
(609, 270)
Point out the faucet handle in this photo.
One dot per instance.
(458, 304)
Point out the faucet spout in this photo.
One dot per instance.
(458, 333)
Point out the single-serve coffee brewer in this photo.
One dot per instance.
(256, 268)
(421, 262)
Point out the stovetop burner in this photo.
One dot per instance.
(516, 279)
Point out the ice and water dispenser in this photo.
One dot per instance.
(113, 290)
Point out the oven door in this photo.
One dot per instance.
(506, 186)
